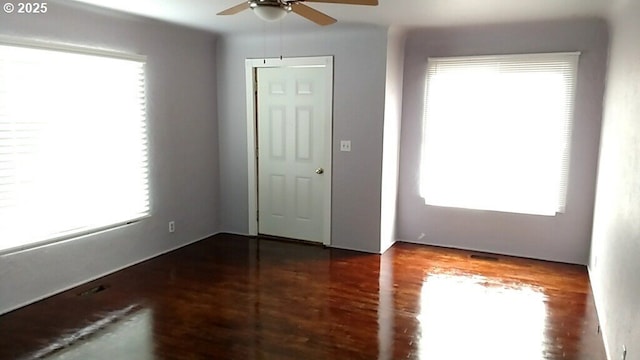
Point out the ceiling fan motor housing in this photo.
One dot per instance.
(283, 4)
(270, 10)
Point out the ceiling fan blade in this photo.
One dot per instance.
(347, 2)
(235, 9)
(312, 14)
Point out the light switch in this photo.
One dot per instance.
(345, 145)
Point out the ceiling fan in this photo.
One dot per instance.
(272, 10)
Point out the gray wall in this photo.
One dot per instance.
(614, 264)
(183, 138)
(565, 237)
(359, 95)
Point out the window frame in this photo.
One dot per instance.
(103, 53)
(513, 60)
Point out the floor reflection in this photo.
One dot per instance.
(239, 298)
(122, 334)
(474, 317)
(385, 309)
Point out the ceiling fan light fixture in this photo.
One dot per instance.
(269, 12)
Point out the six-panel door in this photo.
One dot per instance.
(291, 151)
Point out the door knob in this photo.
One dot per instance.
(319, 171)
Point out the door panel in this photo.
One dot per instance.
(277, 133)
(277, 195)
(292, 116)
(304, 203)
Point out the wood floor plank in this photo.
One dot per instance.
(234, 297)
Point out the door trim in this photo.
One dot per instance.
(252, 164)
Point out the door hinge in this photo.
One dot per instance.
(257, 215)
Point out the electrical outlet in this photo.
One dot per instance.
(172, 226)
(624, 352)
(345, 145)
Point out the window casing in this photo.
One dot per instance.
(73, 142)
(497, 132)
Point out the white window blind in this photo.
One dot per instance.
(497, 131)
(73, 143)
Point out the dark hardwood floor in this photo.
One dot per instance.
(232, 297)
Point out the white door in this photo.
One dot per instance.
(293, 169)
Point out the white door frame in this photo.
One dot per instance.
(252, 165)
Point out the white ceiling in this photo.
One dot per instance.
(201, 14)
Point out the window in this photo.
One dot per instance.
(497, 132)
(73, 142)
